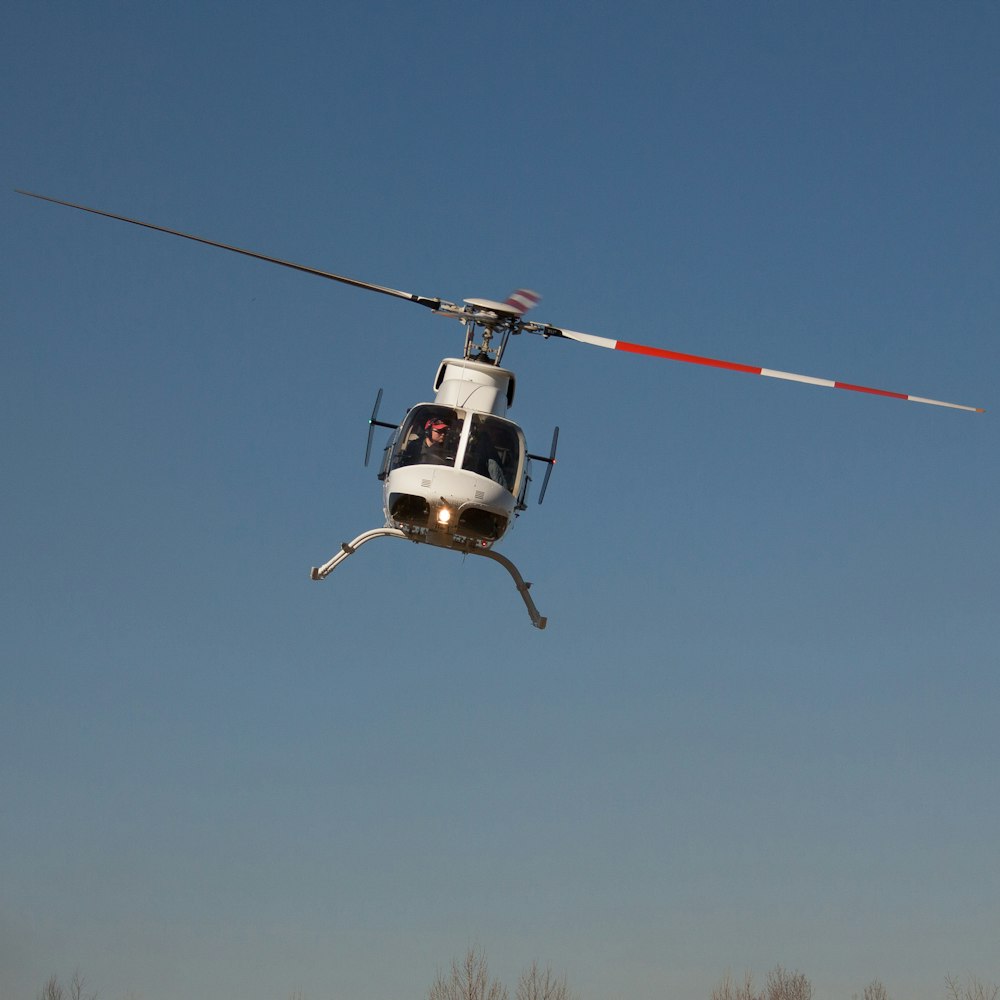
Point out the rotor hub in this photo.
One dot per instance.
(491, 318)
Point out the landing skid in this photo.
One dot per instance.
(349, 548)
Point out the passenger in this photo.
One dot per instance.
(494, 467)
(485, 456)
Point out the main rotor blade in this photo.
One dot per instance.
(522, 300)
(695, 359)
(431, 303)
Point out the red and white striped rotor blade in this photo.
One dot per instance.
(696, 359)
(522, 300)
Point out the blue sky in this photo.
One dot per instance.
(761, 726)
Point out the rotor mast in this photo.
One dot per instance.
(499, 319)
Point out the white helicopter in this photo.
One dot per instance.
(455, 471)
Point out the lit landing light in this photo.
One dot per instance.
(443, 516)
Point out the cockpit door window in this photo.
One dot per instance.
(430, 435)
(495, 450)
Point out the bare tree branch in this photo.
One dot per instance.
(782, 985)
(536, 984)
(76, 988)
(875, 991)
(469, 980)
(729, 990)
(52, 990)
(973, 989)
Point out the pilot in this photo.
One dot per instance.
(432, 448)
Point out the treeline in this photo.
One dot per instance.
(76, 990)
(784, 985)
(468, 978)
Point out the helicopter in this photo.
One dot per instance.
(455, 471)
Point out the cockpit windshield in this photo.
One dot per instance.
(433, 434)
(429, 436)
(494, 450)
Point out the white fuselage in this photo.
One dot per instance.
(460, 487)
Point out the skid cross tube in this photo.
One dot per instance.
(349, 548)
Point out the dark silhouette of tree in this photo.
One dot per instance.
(781, 985)
(972, 989)
(875, 991)
(54, 990)
(541, 984)
(467, 980)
